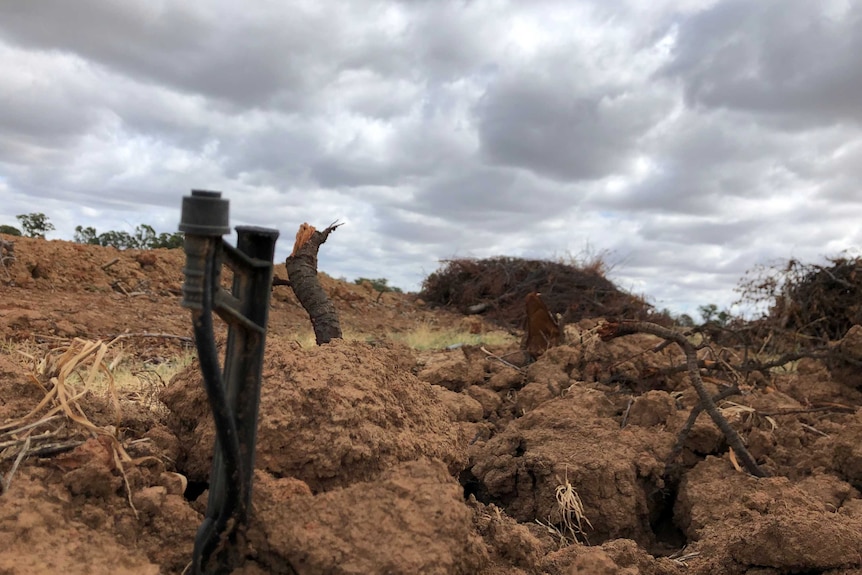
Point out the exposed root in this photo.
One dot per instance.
(571, 509)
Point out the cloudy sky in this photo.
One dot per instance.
(688, 140)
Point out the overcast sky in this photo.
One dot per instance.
(688, 140)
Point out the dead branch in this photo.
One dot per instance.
(689, 424)
(21, 455)
(613, 330)
(302, 273)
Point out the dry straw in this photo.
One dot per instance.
(65, 375)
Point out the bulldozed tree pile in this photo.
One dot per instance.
(498, 287)
(814, 303)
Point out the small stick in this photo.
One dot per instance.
(789, 411)
(501, 360)
(55, 448)
(31, 425)
(813, 429)
(13, 442)
(110, 263)
(182, 338)
(8, 481)
(626, 414)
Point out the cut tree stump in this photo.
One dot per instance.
(302, 274)
(541, 329)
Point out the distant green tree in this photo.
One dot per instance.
(119, 240)
(169, 241)
(9, 230)
(86, 235)
(144, 238)
(379, 284)
(685, 320)
(711, 315)
(35, 225)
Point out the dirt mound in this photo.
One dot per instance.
(499, 285)
(412, 519)
(615, 472)
(742, 523)
(329, 427)
(377, 459)
(70, 267)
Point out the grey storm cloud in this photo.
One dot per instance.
(539, 124)
(688, 140)
(790, 58)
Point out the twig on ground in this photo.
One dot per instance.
(31, 425)
(182, 338)
(813, 429)
(28, 439)
(23, 453)
(110, 263)
(613, 330)
(626, 414)
(791, 411)
(55, 448)
(501, 360)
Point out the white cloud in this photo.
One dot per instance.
(689, 139)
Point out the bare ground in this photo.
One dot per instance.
(375, 458)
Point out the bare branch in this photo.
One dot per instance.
(613, 330)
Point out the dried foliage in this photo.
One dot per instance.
(499, 285)
(807, 304)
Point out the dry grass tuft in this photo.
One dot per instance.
(65, 374)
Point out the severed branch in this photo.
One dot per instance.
(692, 418)
(302, 274)
(613, 330)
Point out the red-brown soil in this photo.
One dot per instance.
(377, 459)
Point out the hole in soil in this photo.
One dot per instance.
(194, 489)
(521, 449)
(668, 536)
(472, 486)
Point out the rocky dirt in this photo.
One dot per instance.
(374, 458)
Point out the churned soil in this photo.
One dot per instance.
(373, 458)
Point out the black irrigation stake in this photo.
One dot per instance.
(234, 395)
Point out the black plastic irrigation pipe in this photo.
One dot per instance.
(234, 397)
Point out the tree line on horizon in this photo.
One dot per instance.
(145, 237)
